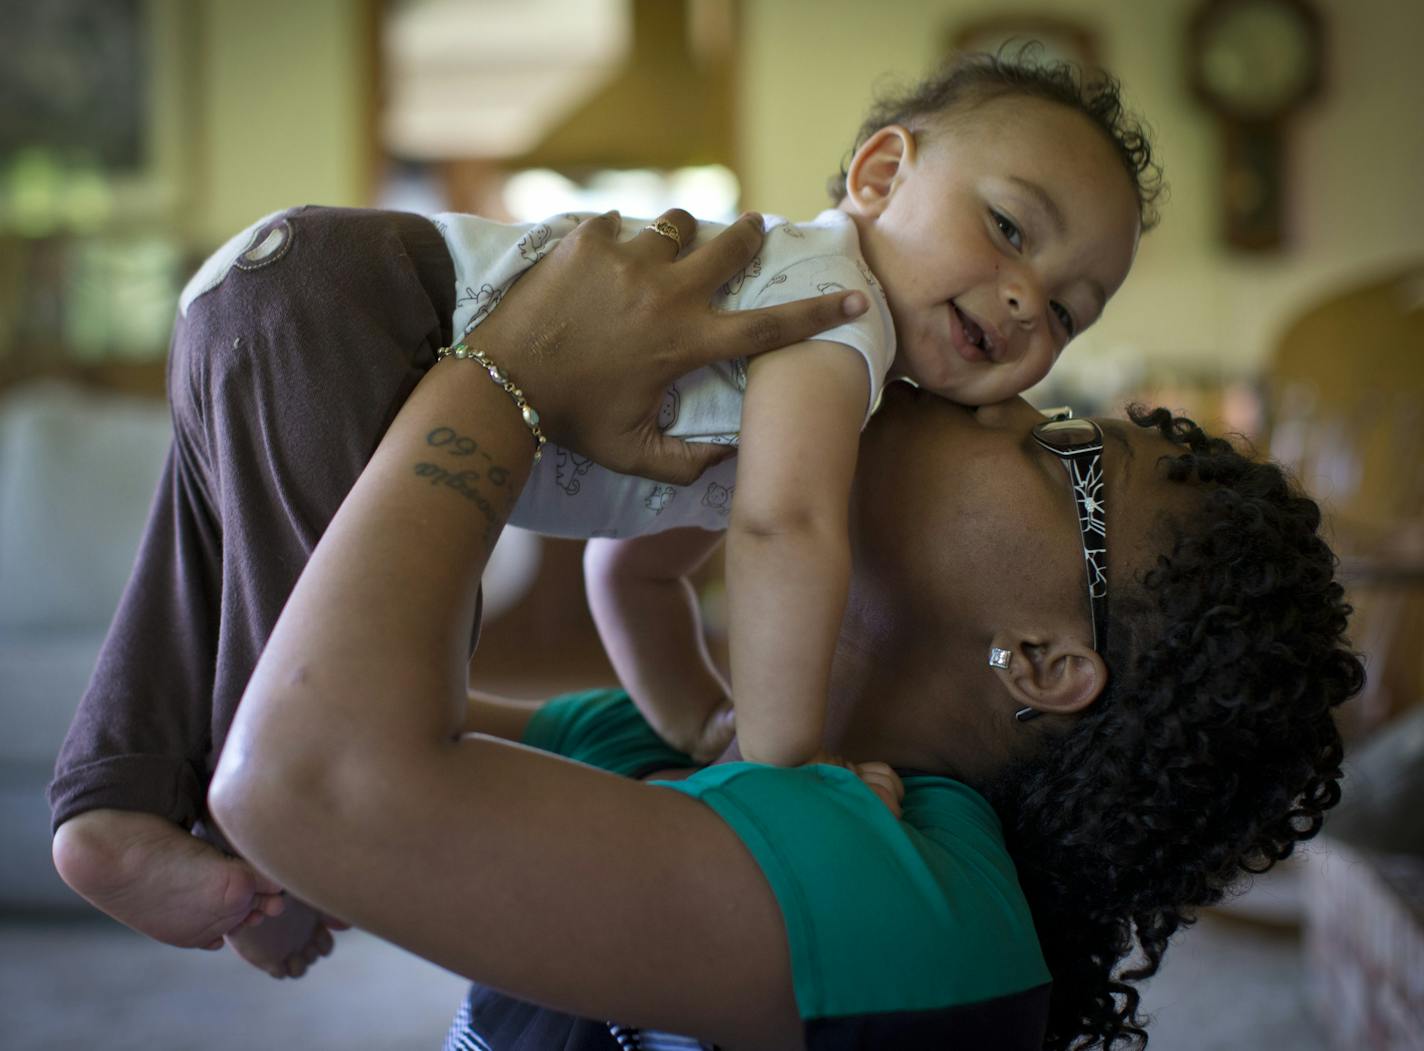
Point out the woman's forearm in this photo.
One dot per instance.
(345, 775)
(365, 670)
(347, 778)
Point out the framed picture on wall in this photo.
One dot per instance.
(72, 81)
(97, 143)
(96, 100)
(1061, 39)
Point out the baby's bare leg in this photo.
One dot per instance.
(648, 619)
(154, 876)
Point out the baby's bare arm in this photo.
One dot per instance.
(788, 552)
(647, 615)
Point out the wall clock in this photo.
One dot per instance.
(1253, 63)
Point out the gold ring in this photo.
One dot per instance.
(666, 229)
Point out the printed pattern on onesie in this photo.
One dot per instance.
(569, 495)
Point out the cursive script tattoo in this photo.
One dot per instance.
(456, 444)
(465, 484)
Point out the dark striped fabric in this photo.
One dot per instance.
(462, 1035)
(491, 1021)
(630, 1039)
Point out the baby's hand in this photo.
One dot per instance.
(878, 777)
(884, 782)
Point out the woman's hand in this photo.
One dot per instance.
(598, 329)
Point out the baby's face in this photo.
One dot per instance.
(997, 240)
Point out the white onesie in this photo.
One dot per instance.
(569, 495)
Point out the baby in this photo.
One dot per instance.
(988, 215)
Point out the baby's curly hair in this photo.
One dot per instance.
(1212, 752)
(973, 78)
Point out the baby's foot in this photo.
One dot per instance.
(286, 945)
(155, 877)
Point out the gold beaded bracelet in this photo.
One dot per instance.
(531, 418)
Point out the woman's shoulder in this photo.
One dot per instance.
(883, 915)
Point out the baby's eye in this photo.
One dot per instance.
(1065, 318)
(1008, 228)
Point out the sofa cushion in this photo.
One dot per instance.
(77, 474)
(42, 676)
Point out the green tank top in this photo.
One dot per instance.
(903, 932)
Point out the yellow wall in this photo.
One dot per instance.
(280, 120)
(281, 117)
(1356, 155)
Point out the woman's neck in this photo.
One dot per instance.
(906, 701)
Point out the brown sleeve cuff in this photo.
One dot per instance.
(154, 784)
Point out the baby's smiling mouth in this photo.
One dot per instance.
(974, 332)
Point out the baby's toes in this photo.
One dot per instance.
(320, 944)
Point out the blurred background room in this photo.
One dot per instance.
(1281, 298)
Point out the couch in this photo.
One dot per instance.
(77, 470)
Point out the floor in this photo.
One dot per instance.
(1226, 986)
(65, 982)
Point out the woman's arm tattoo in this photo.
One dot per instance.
(469, 481)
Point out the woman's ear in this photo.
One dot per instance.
(1053, 675)
(878, 167)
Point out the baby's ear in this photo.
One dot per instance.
(878, 167)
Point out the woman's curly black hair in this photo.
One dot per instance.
(1212, 752)
(973, 78)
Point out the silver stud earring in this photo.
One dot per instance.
(999, 658)
(1027, 714)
